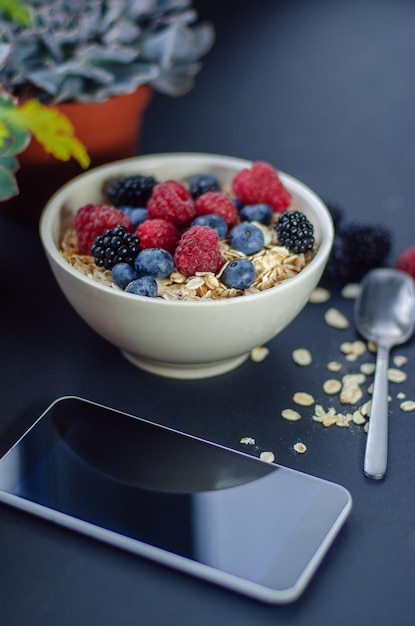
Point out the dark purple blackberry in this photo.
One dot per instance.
(340, 263)
(295, 232)
(368, 244)
(130, 191)
(115, 245)
(357, 249)
(202, 183)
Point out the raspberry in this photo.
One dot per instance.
(92, 219)
(171, 201)
(219, 204)
(261, 185)
(158, 233)
(406, 261)
(198, 251)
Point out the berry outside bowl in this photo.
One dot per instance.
(181, 339)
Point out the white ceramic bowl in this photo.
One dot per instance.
(181, 339)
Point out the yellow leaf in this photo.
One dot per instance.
(53, 130)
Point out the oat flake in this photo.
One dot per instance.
(408, 405)
(259, 353)
(332, 386)
(302, 356)
(249, 441)
(290, 415)
(400, 360)
(267, 456)
(334, 366)
(303, 398)
(396, 376)
(351, 291)
(300, 447)
(319, 295)
(334, 318)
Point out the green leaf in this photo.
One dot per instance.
(16, 142)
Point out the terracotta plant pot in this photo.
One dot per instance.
(109, 130)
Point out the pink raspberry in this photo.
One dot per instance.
(158, 233)
(218, 203)
(406, 261)
(198, 251)
(171, 201)
(92, 219)
(261, 185)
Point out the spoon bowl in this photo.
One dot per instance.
(384, 313)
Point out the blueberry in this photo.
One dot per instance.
(238, 274)
(246, 238)
(213, 221)
(237, 203)
(144, 286)
(137, 215)
(122, 274)
(256, 213)
(154, 262)
(202, 183)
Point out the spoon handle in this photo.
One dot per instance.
(376, 452)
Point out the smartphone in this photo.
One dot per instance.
(224, 516)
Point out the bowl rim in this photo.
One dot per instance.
(55, 203)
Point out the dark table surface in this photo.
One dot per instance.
(326, 92)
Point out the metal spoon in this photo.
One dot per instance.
(384, 313)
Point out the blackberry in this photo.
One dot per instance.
(295, 232)
(340, 263)
(202, 183)
(115, 245)
(368, 244)
(131, 191)
(357, 249)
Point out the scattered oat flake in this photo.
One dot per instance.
(336, 319)
(249, 441)
(355, 348)
(334, 366)
(401, 395)
(290, 415)
(342, 420)
(396, 376)
(319, 294)
(367, 368)
(351, 291)
(300, 447)
(365, 408)
(372, 346)
(267, 456)
(302, 356)
(408, 405)
(400, 360)
(358, 418)
(303, 398)
(351, 394)
(259, 353)
(332, 386)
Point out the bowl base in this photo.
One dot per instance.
(186, 371)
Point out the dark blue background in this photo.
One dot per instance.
(324, 90)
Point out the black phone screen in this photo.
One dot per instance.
(180, 495)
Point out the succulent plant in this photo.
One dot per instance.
(72, 50)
